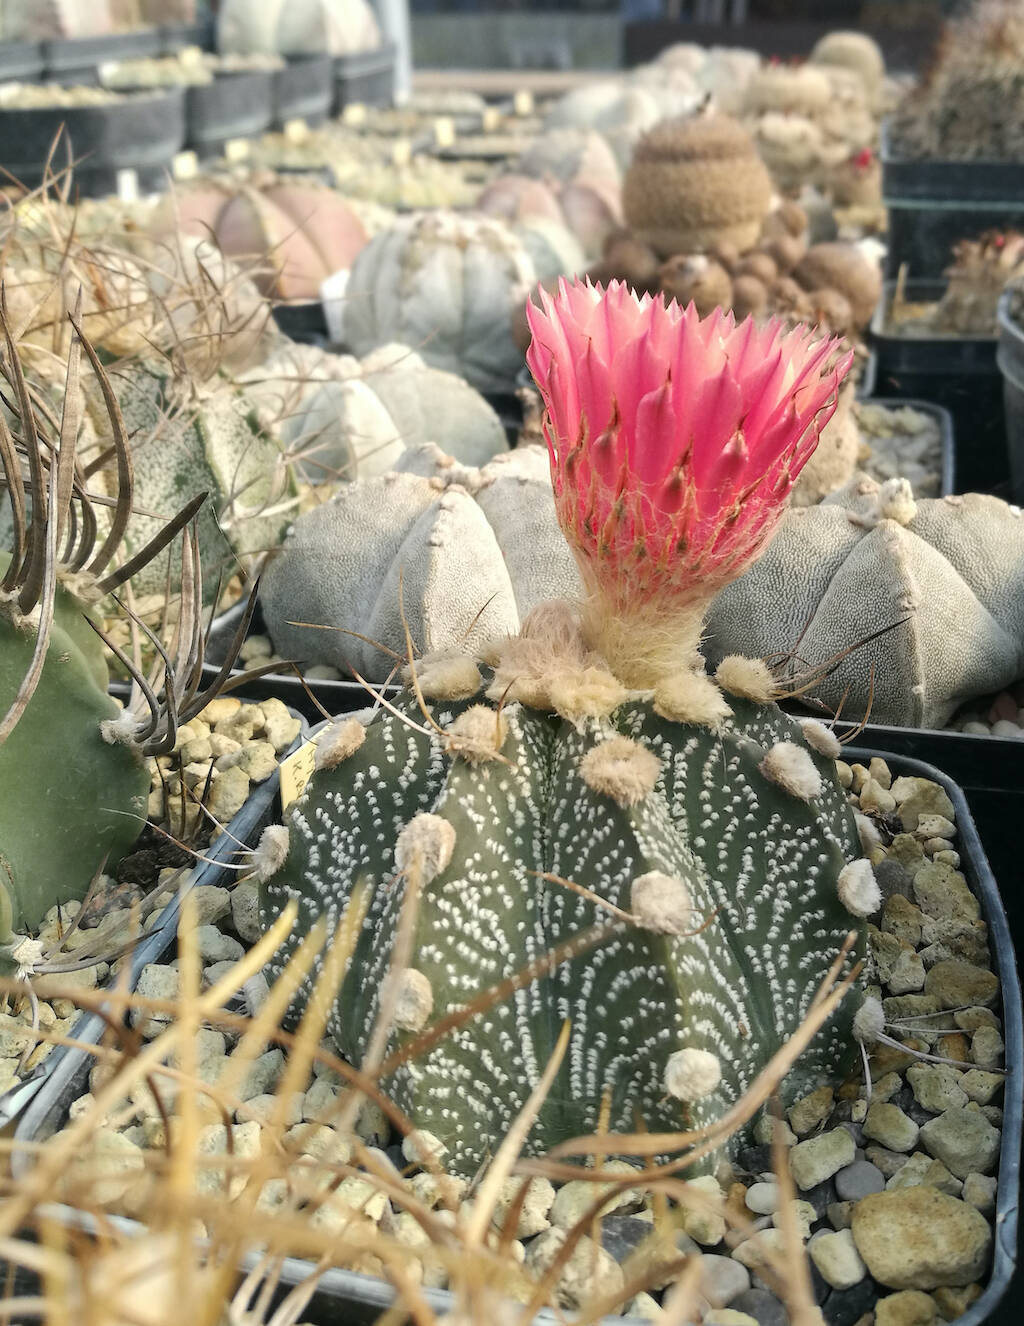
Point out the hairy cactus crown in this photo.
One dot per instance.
(674, 443)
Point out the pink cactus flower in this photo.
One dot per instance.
(674, 440)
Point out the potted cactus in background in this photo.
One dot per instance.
(937, 339)
(951, 152)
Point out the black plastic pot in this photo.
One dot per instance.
(303, 320)
(958, 372)
(61, 1077)
(74, 60)
(232, 106)
(357, 1299)
(21, 61)
(304, 90)
(932, 204)
(141, 133)
(868, 377)
(367, 77)
(311, 699)
(1010, 359)
(947, 440)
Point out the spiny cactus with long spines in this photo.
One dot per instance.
(186, 439)
(674, 856)
(969, 106)
(73, 779)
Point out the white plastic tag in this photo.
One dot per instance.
(332, 296)
(128, 185)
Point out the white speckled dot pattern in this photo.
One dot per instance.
(764, 862)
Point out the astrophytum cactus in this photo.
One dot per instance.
(462, 554)
(446, 284)
(186, 440)
(944, 575)
(342, 419)
(580, 811)
(296, 27)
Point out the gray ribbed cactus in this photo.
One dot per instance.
(475, 549)
(447, 285)
(342, 418)
(724, 847)
(950, 569)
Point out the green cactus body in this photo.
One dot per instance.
(67, 797)
(180, 450)
(759, 864)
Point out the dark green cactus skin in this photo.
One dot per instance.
(67, 798)
(767, 861)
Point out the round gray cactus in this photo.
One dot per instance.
(344, 418)
(447, 285)
(467, 552)
(945, 574)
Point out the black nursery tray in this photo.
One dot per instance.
(958, 372)
(304, 90)
(141, 133)
(71, 60)
(947, 439)
(367, 77)
(234, 105)
(20, 61)
(932, 204)
(358, 1299)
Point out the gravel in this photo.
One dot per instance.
(899, 441)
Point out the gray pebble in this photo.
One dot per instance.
(844, 1307)
(155, 982)
(859, 1179)
(245, 911)
(763, 1306)
(621, 1235)
(964, 1140)
(722, 1279)
(214, 946)
(763, 1198)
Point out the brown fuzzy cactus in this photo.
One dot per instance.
(835, 457)
(843, 268)
(970, 105)
(791, 89)
(855, 51)
(697, 280)
(694, 183)
(980, 270)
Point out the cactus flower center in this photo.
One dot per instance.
(674, 443)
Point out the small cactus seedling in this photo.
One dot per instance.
(663, 860)
(73, 781)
